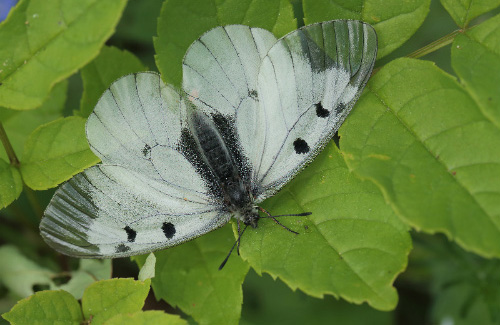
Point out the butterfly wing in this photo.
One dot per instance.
(220, 69)
(146, 195)
(285, 98)
(307, 84)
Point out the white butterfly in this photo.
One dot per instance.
(253, 112)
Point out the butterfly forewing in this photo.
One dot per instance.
(138, 200)
(308, 83)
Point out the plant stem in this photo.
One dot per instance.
(33, 200)
(434, 46)
(8, 147)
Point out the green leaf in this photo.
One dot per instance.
(11, 184)
(88, 272)
(419, 135)
(105, 299)
(146, 318)
(44, 42)
(20, 274)
(465, 287)
(463, 11)
(475, 57)
(148, 268)
(56, 151)
(46, 307)
(268, 301)
(352, 246)
(20, 124)
(181, 22)
(98, 75)
(394, 21)
(187, 276)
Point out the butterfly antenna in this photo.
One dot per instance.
(232, 248)
(283, 215)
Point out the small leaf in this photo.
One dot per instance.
(148, 268)
(146, 318)
(11, 184)
(20, 124)
(105, 299)
(56, 151)
(46, 307)
(88, 272)
(394, 21)
(98, 75)
(421, 137)
(352, 245)
(187, 276)
(181, 22)
(463, 11)
(44, 42)
(19, 274)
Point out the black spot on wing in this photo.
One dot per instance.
(146, 150)
(168, 229)
(253, 94)
(340, 108)
(131, 234)
(301, 146)
(122, 248)
(321, 111)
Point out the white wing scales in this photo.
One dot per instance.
(111, 211)
(220, 69)
(308, 83)
(121, 208)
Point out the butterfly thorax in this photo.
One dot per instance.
(240, 204)
(217, 147)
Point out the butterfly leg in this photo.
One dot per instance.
(239, 236)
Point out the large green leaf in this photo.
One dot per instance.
(352, 246)
(422, 138)
(475, 57)
(394, 21)
(463, 11)
(181, 22)
(20, 124)
(46, 308)
(187, 276)
(45, 41)
(98, 75)
(55, 152)
(11, 184)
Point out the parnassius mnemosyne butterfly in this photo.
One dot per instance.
(253, 111)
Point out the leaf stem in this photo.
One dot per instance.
(434, 46)
(8, 147)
